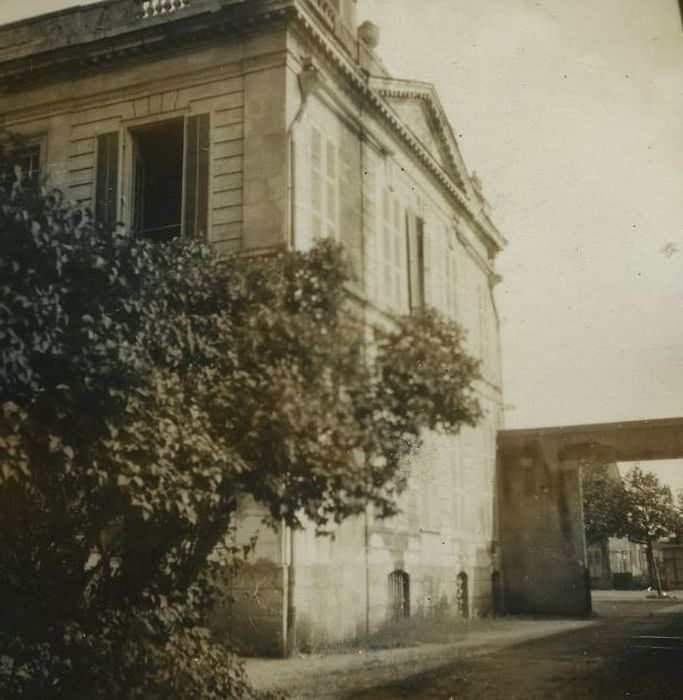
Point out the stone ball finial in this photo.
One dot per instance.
(368, 33)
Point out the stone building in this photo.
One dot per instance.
(270, 122)
(669, 557)
(615, 562)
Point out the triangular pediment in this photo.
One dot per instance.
(415, 114)
(419, 110)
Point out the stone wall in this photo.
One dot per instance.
(541, 529)
(252, 614)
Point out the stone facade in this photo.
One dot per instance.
(282, 125)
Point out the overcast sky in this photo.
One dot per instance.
(571, 113)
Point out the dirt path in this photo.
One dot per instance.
(333, 677)
(635, 651)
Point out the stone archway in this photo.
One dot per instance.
(540, 506)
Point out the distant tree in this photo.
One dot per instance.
(604, 502)
(637, 506)
(146, 389)
(651, 511)
(651, 514)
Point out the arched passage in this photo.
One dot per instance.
(540, 507)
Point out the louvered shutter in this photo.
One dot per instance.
(196, 189)
(428, 267)
(317, 203)
(411, 248)
(106, 180)
(386, 249)
(400, 260)
(416, 260)
(420, 286)
(331, 180)
(452, 301)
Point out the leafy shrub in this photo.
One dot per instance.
(144, 390)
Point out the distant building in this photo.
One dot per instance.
(617, 563)
(669, 557)
(270, 122)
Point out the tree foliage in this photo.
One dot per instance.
(144, 390)
(650, 509)
(604, 502)
(638, 506)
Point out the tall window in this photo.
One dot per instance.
(29, 162)
(170, 178)
(394, 252)
(452, 276)
(441, 269)
(25, 165)
(158, 180)
(324, 186)
(416, 260)
(399, 595)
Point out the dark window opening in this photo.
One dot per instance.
(158, 180)
(23, 165)
(399, 595)
(420, 281)
(416, 261)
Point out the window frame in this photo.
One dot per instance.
(324, 173)
(30, 142)
(127, 167)
(416, 260)
(398, 595)
(393, 253)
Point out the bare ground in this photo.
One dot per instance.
(613, 655)
(335, 676)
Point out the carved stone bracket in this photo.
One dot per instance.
(156, 8)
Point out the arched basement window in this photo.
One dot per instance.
(399, 595)
(462, 595)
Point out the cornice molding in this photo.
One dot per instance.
(210, 20)
(363, 84)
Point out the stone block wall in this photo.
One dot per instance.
(541, 528)
(234, 83)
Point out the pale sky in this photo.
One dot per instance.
(669, 471)
(571, 112)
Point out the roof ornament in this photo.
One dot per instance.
(310, 77)
(369, 34)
